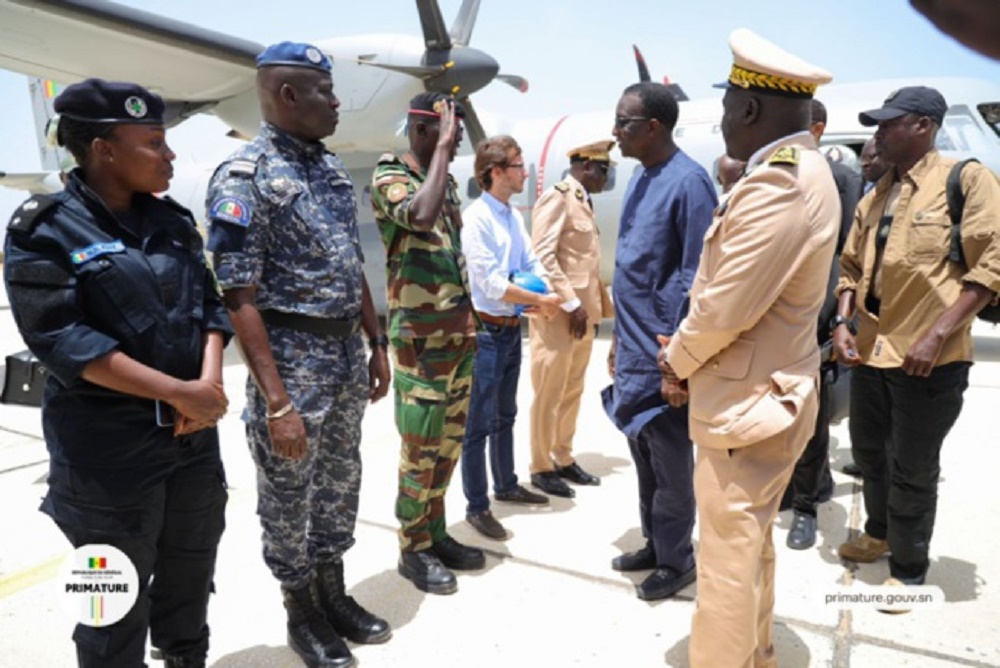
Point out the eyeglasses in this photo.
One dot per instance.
(517, 165)
(622, 121)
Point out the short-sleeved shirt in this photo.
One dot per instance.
(283, 219)
(428, 287)
(496, 245)
(918, 281)
(667, 210)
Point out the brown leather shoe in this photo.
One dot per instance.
(864, 549)
(487, 525)
(520, 495)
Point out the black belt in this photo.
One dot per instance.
(340, 328)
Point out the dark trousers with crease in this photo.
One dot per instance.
(811, 482)
(664, 464)
(898, 424)
(170, 531)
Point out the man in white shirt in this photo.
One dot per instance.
(496, 245)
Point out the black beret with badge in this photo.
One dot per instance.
(99, 101)
(432, 104)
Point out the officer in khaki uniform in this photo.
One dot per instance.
(746, 353)
(565, 237)
(915, 309)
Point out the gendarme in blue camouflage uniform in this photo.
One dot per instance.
(283, 222)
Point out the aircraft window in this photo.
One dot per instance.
(991, 114)
(472, 191)
(961, 132)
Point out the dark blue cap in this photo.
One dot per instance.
(99, 101)
(918, 100)
(294, 54)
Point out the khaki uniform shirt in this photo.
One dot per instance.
(917, 280)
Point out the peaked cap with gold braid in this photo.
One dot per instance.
(764, 67)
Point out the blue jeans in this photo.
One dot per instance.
(492, 410)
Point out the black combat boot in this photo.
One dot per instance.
(310, 635)
(182, 662)
(345, 614)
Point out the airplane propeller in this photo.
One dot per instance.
(449, 65)
(640, 63)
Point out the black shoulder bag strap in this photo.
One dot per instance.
(956, 205)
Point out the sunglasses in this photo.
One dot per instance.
(622, 121)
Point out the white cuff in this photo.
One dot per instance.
(572, 305)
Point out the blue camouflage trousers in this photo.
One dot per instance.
(308, 507)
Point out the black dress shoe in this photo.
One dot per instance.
(663, 583)
(574, 473)
(487, 525)
(640, 560)
(550, 483)
(457, 556)
(520, 495)
(850, 468)
(803, 533)
(426, 572)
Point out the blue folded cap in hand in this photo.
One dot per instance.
(530, 282)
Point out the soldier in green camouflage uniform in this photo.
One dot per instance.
(432, 330)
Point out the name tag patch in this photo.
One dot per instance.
(231, 210)
(87, 254)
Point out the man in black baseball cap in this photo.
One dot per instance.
(914, 307)
(916, 100)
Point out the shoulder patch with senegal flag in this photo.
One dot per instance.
(230, 210)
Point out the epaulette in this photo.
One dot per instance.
(241, 167)
(26, 216)
(387, 158)
(562, 187)
(786, 155)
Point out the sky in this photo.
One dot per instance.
(577, 55)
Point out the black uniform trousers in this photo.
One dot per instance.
(812, 483)
(898, 423)
(170, 530)
(664, 464)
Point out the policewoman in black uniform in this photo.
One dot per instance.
(110, 290)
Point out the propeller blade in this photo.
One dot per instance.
(461, 29)
(436, 36)
(418, 71)
(640, 62)
(472, 125)
(517, 82)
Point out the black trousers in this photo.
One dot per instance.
(898, 423)
(664, 463)
(811, 482)
(170, 531)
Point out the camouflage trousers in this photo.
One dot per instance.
(433, 378)
(308, 507)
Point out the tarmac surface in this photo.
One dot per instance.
(547, 596)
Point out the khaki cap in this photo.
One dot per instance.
(764, 67)
(599, 151)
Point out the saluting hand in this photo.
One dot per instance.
(448, 126)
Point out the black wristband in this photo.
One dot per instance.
(380, 341)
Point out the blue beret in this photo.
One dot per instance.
(294, 54)
(99, 101)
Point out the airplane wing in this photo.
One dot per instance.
(37, 183)
(71, 40)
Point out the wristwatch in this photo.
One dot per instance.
(378, 341)
(839, 320)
